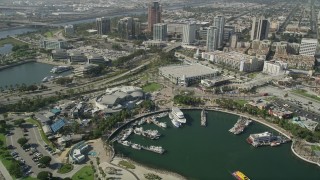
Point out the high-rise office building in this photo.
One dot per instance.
(136, 27)
(103, 25)
(69, 30)
(189, 33)
(212, 38)
(160, 32)
(260, 28)
(154, 15)
(219, 22)
(126, 28)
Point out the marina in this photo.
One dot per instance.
(240, 125)
(240, 156)
(152, 134)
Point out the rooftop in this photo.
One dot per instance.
(187, 70)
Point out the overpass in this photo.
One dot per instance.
(172, 47)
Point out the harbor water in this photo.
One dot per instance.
(212, 152)
(29, 73)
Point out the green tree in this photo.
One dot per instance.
(15, 170)
(19, 122)
(44, 175)
(22, 141)
(45, 160)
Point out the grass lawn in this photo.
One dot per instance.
(6, 160)
(84, 173)
(127, 164)
(10, 41)
(304, 93)
(43, 136)
(315, 148)
(242, 102)
(151, 87)
(48, 34)
(65, 168)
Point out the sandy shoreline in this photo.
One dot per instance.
(141, 169)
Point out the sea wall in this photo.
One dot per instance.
(17, 64)
(295, 153)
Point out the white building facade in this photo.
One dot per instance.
(308, 47)
(275, 68)
(189, 33)
(160, 32)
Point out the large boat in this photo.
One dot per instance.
(174, 122)
(60, 69)
(177, 115)
(240, 176)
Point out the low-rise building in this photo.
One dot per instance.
(187, 74)
(76, 153)
(53, 44)
(235, 60)
(297, 61)
(118, 98)
(59, 54)
(216, 81)
(274, 67)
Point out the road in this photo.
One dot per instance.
(286, 22)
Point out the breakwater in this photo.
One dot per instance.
(16, 64)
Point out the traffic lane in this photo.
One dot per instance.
(35, 135)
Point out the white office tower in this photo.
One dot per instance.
(160, 32)
(189, 33)
(219, 22)
(308, 47)
(212, 39)
(234, 40)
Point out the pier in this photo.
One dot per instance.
(203, 118)
(240, 125)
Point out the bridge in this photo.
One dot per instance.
(172, 47)
(31, 23)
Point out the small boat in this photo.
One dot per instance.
(240, 176)
(176, 123)
(273, 144)
(136, 146)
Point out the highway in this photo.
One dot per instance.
(15, 97)
(286, 22)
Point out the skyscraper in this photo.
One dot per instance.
(154, 15)
(103, 25)
(126, 27)
(219, 22)
(260, 28)
(212, 38)
(160, 32)
(189, 33)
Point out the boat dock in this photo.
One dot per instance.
(152, 134)
(240, 125)
(203, 117)
(153, 120)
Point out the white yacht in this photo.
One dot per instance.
(177, 115)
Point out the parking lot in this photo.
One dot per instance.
(30, 154)
(297, 109)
